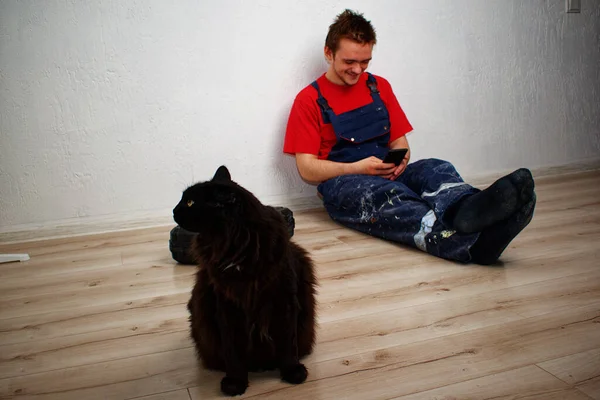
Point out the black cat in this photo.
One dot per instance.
(253, 303)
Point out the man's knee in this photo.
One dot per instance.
(434, 164)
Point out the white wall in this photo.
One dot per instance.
(110, 108)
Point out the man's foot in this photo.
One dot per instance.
(496, 203)
(493, 240)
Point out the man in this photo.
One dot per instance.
(340, 129)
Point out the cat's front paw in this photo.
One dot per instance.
(233, 386)
(294, 374)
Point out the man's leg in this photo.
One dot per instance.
(392, 211)
(499, 212)
(439, 184)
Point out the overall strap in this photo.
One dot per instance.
(322, 102)
(372, 84)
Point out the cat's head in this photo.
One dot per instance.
(206, 206)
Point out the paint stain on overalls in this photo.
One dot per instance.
(411, 209)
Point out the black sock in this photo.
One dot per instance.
(493, 240)
(496, 203)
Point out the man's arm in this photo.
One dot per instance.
(314, 170)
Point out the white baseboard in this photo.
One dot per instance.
(126, 222)
(83, 226)
(163, 218)
(539, 172)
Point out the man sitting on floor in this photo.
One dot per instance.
(340, 129)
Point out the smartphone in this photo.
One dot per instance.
(395, 156)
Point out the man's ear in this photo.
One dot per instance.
(222, 175)
(328, 55)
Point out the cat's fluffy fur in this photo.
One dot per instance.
(253, 303)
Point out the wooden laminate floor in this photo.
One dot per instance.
(104, 317)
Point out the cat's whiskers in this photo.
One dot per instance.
(229, 266)
(237, 267)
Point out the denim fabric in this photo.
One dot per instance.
(409, 210)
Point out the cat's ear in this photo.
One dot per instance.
(222, 175)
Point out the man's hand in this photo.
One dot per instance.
(399, 169)
(375, 166)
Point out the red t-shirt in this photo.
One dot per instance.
(307, 133)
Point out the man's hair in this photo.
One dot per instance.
(350, 25)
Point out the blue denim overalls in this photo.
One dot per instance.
(410, 210)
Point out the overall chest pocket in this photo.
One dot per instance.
(363, 124)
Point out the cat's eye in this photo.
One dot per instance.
(190, 203)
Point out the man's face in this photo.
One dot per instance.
(349, 61)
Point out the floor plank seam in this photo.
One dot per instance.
(97, 363)
(34, 326)
(441, 301)
(498, 372)
(157, 394)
